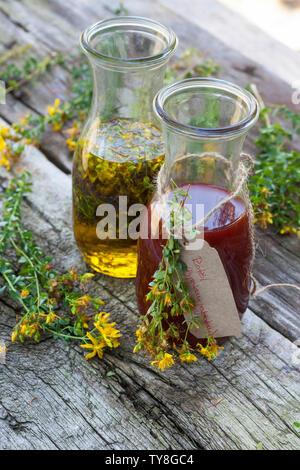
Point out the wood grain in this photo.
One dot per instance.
(50, 397)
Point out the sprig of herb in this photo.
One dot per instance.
(16, 76)
(30, 128)
(49, 302)
(169, 299)
(192, 63)
(15, 51)
(121, 10)
(275, 185)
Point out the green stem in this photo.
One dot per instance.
(6, 278)
(54, 332)
(19, 250)
(36, 72)
(13, 212)
(38, 260)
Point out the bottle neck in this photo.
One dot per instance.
(124, 93)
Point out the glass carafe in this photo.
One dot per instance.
(120, 149)
(205, 122)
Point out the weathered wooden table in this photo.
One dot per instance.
(50, 397)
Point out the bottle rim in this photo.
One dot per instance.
(194, 84)
(129, 22)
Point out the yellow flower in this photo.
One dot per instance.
(14, 336)
(23, 328)
(73, 274)
(4, 131)
(51, 317)
(83, 301)
(214, 349)
(24, 293)
(139, 334)
(287, 229)
(3, 350)
(166, 362)
(269, 218)
(211, 350)
(27, 329)
(205, 352)
(52, 109)
(103, 317)
(96, 346)
(71, 144)
(109, 334)
(5, 162)
(2, 144)
(57, 126)
(127, 136)
(265, 191)
(188, 357)
(266, 219)
(155, 291)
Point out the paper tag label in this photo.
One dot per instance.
(209, 288)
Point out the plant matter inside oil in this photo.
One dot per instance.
(116, 158)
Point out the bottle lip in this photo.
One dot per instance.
(203, 132)
(129, 22)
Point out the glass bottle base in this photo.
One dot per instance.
(119, 262)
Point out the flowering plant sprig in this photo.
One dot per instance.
(49, 302)
(30, 128)
(169, 300)
(16, 76)
(275, 184)
(192, 63)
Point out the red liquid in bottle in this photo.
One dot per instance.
(227, 230)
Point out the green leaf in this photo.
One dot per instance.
(2, 289)
(110, 373)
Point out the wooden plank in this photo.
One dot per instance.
(138, 407)
(275, 263)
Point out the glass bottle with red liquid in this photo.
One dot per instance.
(205, 122)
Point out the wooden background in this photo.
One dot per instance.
(50, 397)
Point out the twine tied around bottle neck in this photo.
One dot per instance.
(240, 188)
